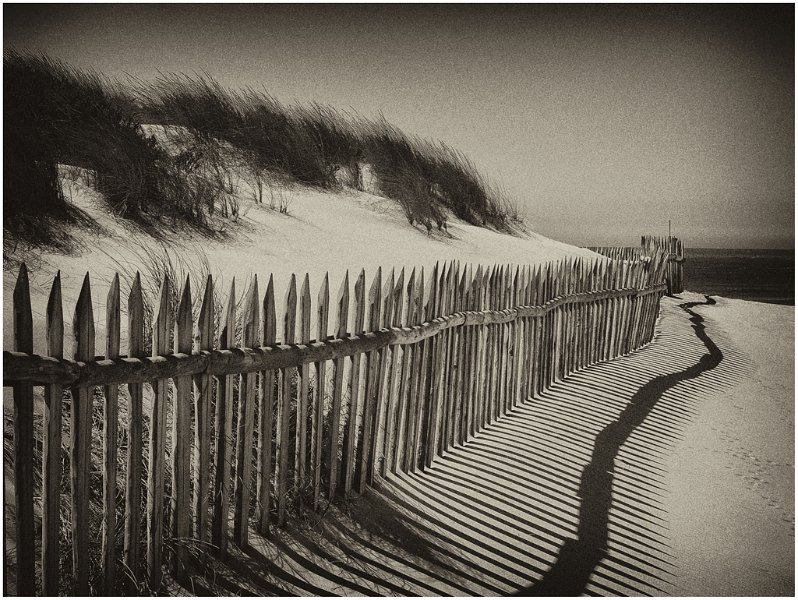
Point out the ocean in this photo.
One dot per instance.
(758, 275)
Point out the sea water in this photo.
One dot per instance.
(758, 275)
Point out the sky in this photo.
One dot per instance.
(602, 122)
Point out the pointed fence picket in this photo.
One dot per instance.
(437, 360)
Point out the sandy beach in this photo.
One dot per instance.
(732, 477)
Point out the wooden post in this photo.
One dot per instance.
(135, 328)
(83, 331)
(341, 326)
(384, 366)
(23, 443)
(431, 356)
(246, 421)
(370, 395)
(181, 437)
(110, 428)
(322, 317)
(162, 325)
(267, 402)
(416, 384)
(202, 439)
(350, 434)
(284, 406)
(300, 450)
(51, 450)
(404, 410)
(393, 385)
(224, 433)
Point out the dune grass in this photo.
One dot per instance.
(56, 114)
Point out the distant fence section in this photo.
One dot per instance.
(242, 424)
(670, 246)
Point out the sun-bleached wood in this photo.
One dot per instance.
(284, 407)
(135, 348)
(161, 330)
(250, 325)
(301, 442)
(203, 396)
(341, 325)
(370, 392)
(350, 436)
(319, 392)
(384, 367)
(80, 439)
(224, 432)
(267, 407)
(181, 436)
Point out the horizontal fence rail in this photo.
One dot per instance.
(671, 246)
(244, 418)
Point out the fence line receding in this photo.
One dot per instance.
(243, 424)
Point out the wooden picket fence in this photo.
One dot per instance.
(671, 246)
(260, 428)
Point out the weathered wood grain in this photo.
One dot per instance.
(161, 330)
(135, 329)
(284, 407)
(339, 365)
(202, 431)
(23, 442)
(224, 433)
(320, 392)
(303, 387)
(110, 432)
(267, 409)
(181, 437)
(51, 449)
(350, 435)
(370, 393)
(80, 438)
(250, 326)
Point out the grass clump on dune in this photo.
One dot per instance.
(55, 114)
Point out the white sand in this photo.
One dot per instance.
(732, 478)
(322, 232)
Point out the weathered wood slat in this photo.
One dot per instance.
(135, 329)
(181, 437)
(339, 365)
(282, 446)
(202, 432)
(370, 393)
(161, 330)
(110, 431)
(384, 366)
(392, 420)
(51, 449)
(320, 392)
(250, 325)
(267, 409)
(404, 418)
(427, 437)
(350, 436)
(303, 387)
(23, 442)
(80, 450)
(224, 433)
(416, 384)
